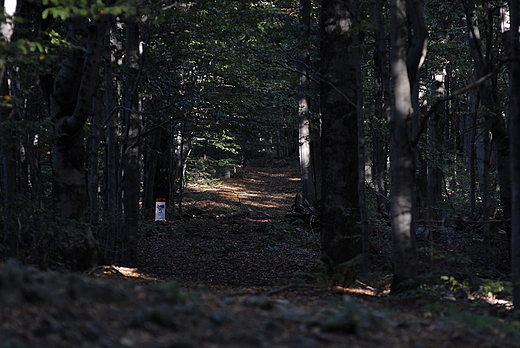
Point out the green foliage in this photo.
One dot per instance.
(494, 288)
(205, 170)
(224, 77)
(64, 9)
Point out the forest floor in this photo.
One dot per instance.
(234, 272)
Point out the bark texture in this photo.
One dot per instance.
(339, 211)
(407, 54)
(70, 107)
(514, 130)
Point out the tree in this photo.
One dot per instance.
(130, 159)
(514, 130)
(485, 60)
(405, 61)
(339, 210)
(70, 107)
(307, 167)
(8, 144)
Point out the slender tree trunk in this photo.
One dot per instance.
(485, 62)
(339, 210)
(150, 171)
(472, 153)
(485, 193)
(436, 145)
(8, 143)
(514, 131)
(112, 156)
(131, 168)
(382, 103)
(8, 175)
(405, 62)
(304, 122)
(363, 212)
(182, 149)
(93, 167)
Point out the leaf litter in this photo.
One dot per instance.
(223, 275)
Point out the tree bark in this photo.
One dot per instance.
(405, 61)
(514, 130)
(8, 143)
(112, 157)
(304, 121)
(382, 102)
(339, 210)
(130, 163)
(70, 107)
(435, 147)
(150, 171)
(485, 62)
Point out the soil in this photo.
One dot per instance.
(232, 271)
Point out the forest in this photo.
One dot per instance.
(399, 117)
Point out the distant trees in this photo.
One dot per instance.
(106, 106)
(133, 85)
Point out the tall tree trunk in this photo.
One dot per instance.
(131, 168)
(472, 153)
(93, 166)
(514, 131)
(150, 168)
(485, 62)
(181, 148)
(70, 107)
(382, 103)
(8, 144)
(435, 146)
(113, 203)
(405, 61)
(357, 40)
(339, 210)
(304, 121)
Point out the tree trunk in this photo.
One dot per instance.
(405, 61)
(339, 211)
(8, 144)
(70, 107)
(150, 171)
(130, 163)
(381, 105)
(8, 151)
(435, 147)
(514, 130)
(93, 167)
(112, 164)
(363, 212)
(304, 121)
(181, 150)
(485, 62)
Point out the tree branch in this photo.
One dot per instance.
(439, 101)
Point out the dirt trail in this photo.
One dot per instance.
(233, 234)
(237, 267)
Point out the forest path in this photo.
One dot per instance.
(233, 233)
(237, 268)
